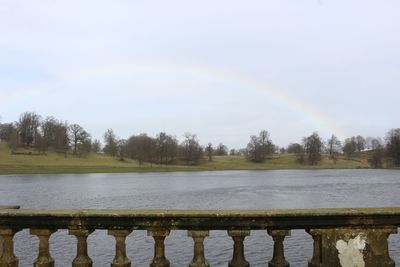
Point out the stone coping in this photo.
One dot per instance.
(9, 207)
(160, 213)
(200, 219)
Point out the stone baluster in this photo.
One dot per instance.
(82, 258)
(1, 246)
(199, 259)
(238, 258)
(8, 258)
(120, 259)
(43, 259)
(316, 260)
(278, 259)
(159, 259)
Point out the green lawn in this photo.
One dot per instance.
(95, 163)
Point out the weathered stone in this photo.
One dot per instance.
(3, 207)
(337, 233)
(43, 259)
(159, 259)
(199, 259)
(1, 246)
(278, 259)
(316, 260)
(352, 247)
(82, 258)
(8, 258)
(120, 259)
(238, 258)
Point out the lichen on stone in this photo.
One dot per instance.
(351, 252)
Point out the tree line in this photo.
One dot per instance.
(378, 150)
(50, 134)
(31, 131)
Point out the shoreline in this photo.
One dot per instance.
(44, 170)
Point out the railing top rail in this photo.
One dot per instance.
(200, 219)
(160, 213)
(3, 207)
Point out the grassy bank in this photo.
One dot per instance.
(97, 163)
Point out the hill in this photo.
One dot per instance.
(28, 162)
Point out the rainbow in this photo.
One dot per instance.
(207, 72)
(203, 72)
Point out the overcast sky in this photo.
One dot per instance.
(221, 69)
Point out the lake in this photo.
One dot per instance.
(275, 189)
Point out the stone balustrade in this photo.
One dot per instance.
(341, 237)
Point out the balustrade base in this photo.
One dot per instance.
(239, 264)
(355, 246)
(278, 264)
(341, 237)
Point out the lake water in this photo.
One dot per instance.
(198, 190)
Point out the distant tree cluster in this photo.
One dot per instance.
(377, 151)
(31, 131)
(353, 145)
(162, 149)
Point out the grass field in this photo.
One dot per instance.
(98, 163)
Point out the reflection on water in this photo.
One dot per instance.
(201, 190)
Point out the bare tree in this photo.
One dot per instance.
(334, 146)
(110, 141)
(298, 150)
(85, 143)
(96, 146)
(221, 150)
(40, 144)
(376, 157)
(141, 147)
(260, 147)
(313, 146)
(77, 134)
(9, 134)
(62, 138)
(49, 130)
(28, 125)
(190, 149)
(254, 151)
(166, 148)
(122, 149)
(360, 143)
(376, 143)
(393, 145)
(350, 147)
(294, 148)
(209, 151)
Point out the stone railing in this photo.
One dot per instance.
(342, 237)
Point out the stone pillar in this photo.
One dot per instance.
(120, 259)
(316, 260)
(199, 259)
(278, 259)
(8, 258)
(159, 259)
(1, 246)
(44, 258)
(238, 258)
(82, 258)
(363, 246)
